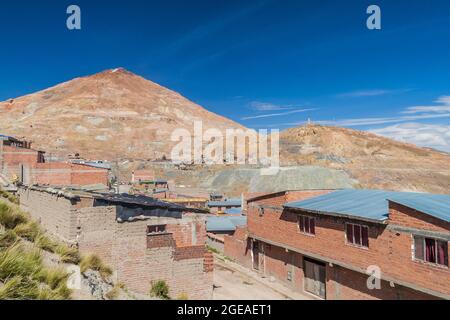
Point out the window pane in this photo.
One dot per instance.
(312, 226)
(301, 224)
(365, 236)
(349, 233)
(430, 250)
(442, 252)
(418, 248)
(306, 224)
(357, 231)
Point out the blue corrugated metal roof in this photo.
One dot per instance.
(233, 211)
(226, 203)
(224, 223)
(373, 204)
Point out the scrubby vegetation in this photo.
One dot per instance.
(93, 262)
(12, 198)
(160, 289)
(23, 274)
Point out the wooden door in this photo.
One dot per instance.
(315, 278)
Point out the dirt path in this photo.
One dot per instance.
(233, 285)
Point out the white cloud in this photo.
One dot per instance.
(266, 106)
(371, 121)
(371, 93)
(444, 106)
(425, 135)
(270, 115)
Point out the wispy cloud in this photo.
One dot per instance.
(371, 121)
(425, 135)
(270, 115)
(443, 106)
(267, 106)
(371, 93)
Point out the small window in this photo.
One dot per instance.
(307, 225)
(431, 250)
(357, 235)
(156, 229)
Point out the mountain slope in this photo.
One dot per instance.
(375, 161)
(112, 114)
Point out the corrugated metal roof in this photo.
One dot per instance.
(233, 211)
(373, 204)
(226, 203)
(224, 223)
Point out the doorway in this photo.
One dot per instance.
(255, 255)
(315, 278)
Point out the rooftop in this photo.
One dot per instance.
(225, 203)
(225, 223)
(373, 205)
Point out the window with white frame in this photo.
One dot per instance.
(431, 250)
(307, 225)
(357, 235)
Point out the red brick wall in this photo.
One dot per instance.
(407, 217)
(237, 247)
(390, 250)
(13, 156)
(61, 174)
(279, 199)
(345, 284)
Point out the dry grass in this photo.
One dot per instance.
(25, 277)
(93, 262)
(29, 230)
(8, 238)
(8, 196)
(11, 217)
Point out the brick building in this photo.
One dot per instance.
(326, 243)
(28, 166)
(142, 239)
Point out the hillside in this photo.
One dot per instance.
(112, 114)
(376, 162)
(116, 115)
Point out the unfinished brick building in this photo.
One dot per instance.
(142, 239)
(18, 160)
(324, 242)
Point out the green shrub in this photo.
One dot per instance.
(160, 289)
(15, 261)
(29, 230)
(9, 196)
(93, 262)
(45, 243)
(11, 217)
(19, 288)
(67, 254)
(54, 278)
(8, 238)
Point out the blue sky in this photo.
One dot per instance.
(263, 63)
